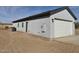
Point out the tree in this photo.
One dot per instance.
(76, 24)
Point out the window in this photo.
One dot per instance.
(22, 24)
(18, 24)
(52, 20)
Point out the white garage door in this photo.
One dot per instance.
(62, 28)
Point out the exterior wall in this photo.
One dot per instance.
(20, 28)
(62, 28)
(63, 15)
(34, 27)
(51, 29)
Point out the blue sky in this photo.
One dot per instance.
(11, 13)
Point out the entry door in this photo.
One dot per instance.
(26, 26)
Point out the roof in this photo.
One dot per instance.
(45, 14)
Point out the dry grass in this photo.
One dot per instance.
(23, 42)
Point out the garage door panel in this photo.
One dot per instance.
(62, 28)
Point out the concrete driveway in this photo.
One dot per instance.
(71, 39)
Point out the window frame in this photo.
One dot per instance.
(22, 24)
(18, 24)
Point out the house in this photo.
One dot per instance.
(5, 25)
(51, 24)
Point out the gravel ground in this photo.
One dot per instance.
(16, 42)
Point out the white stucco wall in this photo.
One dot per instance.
(63, 15)
(15, 25)
(34, 27)
(20, 28)
(62, 28)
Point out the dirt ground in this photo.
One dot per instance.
(23, 42)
